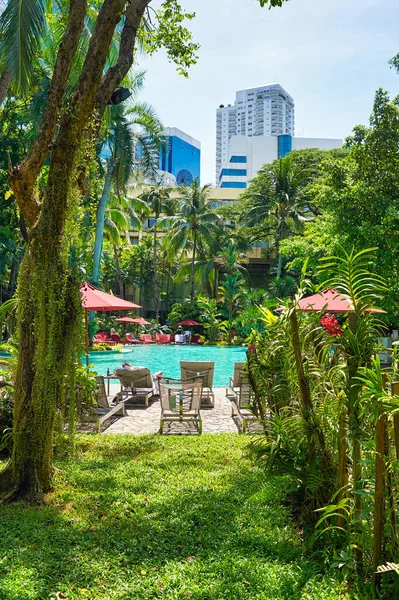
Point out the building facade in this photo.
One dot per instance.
(247, 155)
(179, 158)
(264, 111)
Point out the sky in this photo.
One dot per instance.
(330, 56)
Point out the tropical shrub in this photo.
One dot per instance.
(321, 393)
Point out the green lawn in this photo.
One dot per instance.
(151, 517)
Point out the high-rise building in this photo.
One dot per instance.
(180, 157)
(267, 110)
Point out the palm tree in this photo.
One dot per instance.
(225, 255)
(120, 216)
(193, 224)
(281, 199)
(124, 129)
(158, 200)
(231, 293)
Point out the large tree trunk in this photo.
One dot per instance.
(49, 311)
(49, 319)
(193, 267)
(5, 81)
(100, 216)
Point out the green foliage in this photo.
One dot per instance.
(210, 317)
(168, 32)
(345, 397)
(183, 310)
(22, 26)
(186, 518)
(276, 200)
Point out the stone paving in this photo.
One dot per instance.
(141, 420)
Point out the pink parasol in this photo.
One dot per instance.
(94, 299)
(140, 321)
(329, 301)
(125, 320)
(189, 322)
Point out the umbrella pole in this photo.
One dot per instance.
(87, 338)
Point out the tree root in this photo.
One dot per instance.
(19, 490)
(7, 481)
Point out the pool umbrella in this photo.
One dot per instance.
(95, 299)
(328, 300)
(189, 322)
(125, 320)
(140, 321)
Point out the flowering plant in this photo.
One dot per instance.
(331, 324)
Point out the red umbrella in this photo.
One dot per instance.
(140, 321)
(95, 299)
(189, 322)
(329, 301)
(125, 320)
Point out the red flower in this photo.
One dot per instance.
(331, 324)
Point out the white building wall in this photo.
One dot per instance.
(262, 150)
(300, 143)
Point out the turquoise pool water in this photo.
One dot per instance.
(167, 359)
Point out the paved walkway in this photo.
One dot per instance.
(140, 420)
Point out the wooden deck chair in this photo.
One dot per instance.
(180, 401)
(204, 368)
(136, 383)
(241, 396)
(234, 382)
(105, 408)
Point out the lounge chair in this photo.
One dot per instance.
(130, 339)
(137, 383)
(115, 338)
(146, 338)
(164, 338)
(105, 408)
(180, 401)
(103, 338)
(190, 369)
(241, 395)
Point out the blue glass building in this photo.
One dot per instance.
(180, 156)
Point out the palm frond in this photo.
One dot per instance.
(22, 26)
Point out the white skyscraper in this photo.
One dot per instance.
(267, 110)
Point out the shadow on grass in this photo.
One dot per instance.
(135, 519)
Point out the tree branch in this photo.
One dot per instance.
(23, 177)
(112, 78)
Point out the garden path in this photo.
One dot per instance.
(140, 420)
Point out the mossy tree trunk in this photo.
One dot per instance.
(49, 312)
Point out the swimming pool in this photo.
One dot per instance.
(167, 359)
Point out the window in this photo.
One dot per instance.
(233, 184)
(236, 172)
(238, 159)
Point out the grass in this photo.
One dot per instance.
(137, 518)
